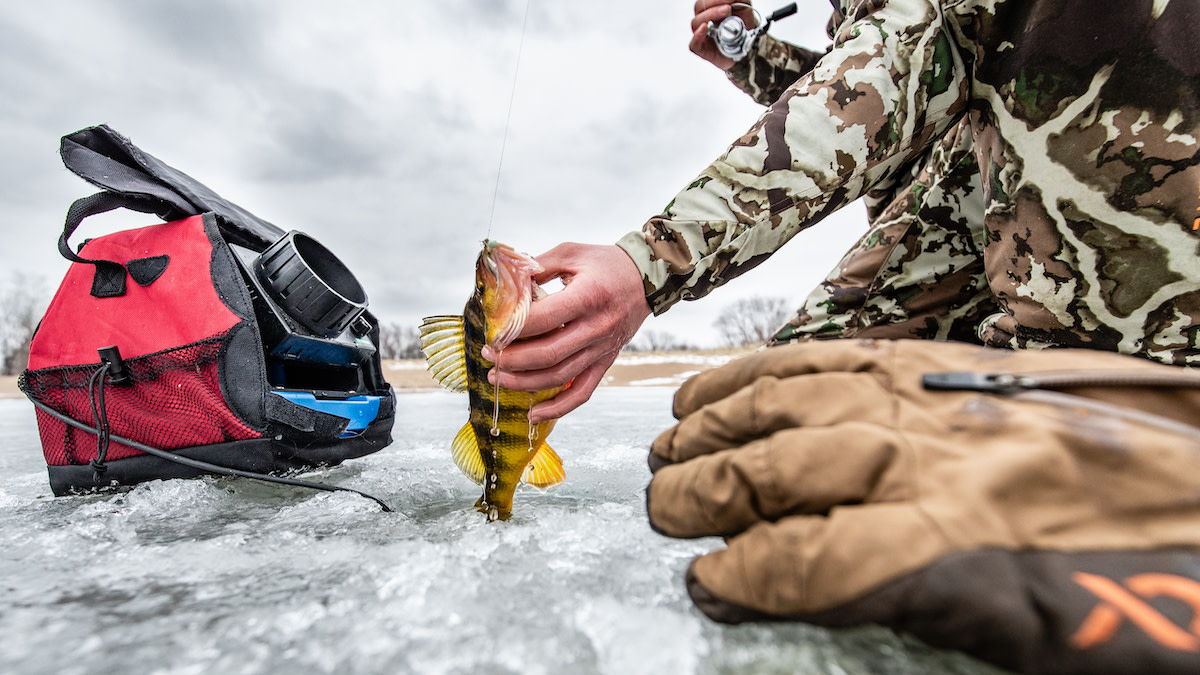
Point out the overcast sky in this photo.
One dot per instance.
(377, 127)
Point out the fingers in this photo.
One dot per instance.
(576, 333)
(600, 282)
(577, 394)
(795, 471)
(710, 10)
(701, 44)
(769, 405)
(809, 566)
(851, 356)
(510, 375)
(552, 311)
(550, 361)
(774, 448)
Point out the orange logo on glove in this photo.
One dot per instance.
(1196, 224)
(1120, 603)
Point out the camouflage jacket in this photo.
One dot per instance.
(917, 271)
(770, 68)
(1084, 116)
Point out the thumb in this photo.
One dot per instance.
(562, 261)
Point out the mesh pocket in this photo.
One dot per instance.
(173, 402)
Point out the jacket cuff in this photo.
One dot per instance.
(654, 271)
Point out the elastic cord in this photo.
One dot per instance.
(205, 466)
(100, 417)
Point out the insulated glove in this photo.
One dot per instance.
(1036, 509)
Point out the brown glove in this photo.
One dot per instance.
(1044, 522)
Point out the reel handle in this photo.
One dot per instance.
(782, 13)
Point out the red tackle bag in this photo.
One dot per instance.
(214, 342)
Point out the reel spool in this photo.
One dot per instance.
(734, 40)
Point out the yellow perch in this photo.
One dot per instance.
(497, 447)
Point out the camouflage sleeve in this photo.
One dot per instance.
(770, 68)
(892, 85)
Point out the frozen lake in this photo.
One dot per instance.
(233, 576)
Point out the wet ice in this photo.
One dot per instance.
(230, 575)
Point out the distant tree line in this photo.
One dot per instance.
(752, 321)
(23, 301)
(747, 322)
(399, 342)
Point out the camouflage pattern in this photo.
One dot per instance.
(1083, 115)
(918, 270)
(770, 68)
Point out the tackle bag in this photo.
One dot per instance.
(214, 342)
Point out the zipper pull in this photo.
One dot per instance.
(972, 381)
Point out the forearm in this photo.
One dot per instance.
(770, 68)
(892, 85)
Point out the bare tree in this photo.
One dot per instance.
(22, 302)
(399, 342)
(752, 321)
(657, 341)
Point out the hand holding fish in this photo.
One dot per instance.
(574, 335)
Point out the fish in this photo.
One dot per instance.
(498, 447)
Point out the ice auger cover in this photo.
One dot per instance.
(214, 361)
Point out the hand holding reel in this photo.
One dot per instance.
(734, 40)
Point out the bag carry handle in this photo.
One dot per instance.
(109, 279)
(111, 162)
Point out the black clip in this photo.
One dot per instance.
(971, 381)
(116, 365)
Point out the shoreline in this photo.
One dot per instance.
(637, 369)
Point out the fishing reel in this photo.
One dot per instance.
(734, 39)
(316, 333)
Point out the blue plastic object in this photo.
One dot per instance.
(359, 410)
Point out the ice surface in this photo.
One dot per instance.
(233, 576)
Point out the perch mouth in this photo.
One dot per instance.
(504, 278)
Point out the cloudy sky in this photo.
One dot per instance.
(377, 127)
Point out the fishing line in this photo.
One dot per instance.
(512, 95)
(496, 402)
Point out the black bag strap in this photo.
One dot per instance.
(109, 280)
(108, 160)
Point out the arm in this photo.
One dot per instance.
(770, 68)
(868, 107)
(892, 85)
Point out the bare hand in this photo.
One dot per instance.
(716, 10)
(574, 335)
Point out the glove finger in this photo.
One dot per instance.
(802, 566)
(768, 405)
(793, 471)
(783, 362)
